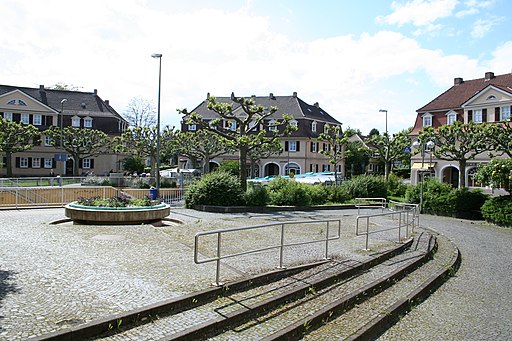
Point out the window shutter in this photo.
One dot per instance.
(80, 164)
(17, 162)
(31, 119)
(470, 115)
(285, 146)
(54, 163)
(92, 163)
(29, 162)
(484, 115)
(298, 146)
(16, 117)
(311, 148)
(496, 114)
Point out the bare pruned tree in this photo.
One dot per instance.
(140, 113)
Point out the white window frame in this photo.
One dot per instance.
(427, 120)
(230, 125)
(477, 116)
(313, 147)
(326, 128)
(25, 118)
(272, 125)
(37, 119)
(23, 162)
(314, 126)
(192, 127)
(8, 116)
(86, 164)
(47, 141)
(290, 144)
(48, 163)
(88, 122)
(505, 113)
(451, 118)
(294, 123)
(75, 122)
(36, 162)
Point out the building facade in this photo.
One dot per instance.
(44, 108)
(301, 149)
(483, 100)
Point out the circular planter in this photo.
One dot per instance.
(116, 215)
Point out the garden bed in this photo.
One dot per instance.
(83, 214)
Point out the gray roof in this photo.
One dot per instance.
(290, 105)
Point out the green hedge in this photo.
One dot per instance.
(216, 188)
(498, 210)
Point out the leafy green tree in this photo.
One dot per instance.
(457, 142)
(356, 155)
(497, 173)
(499, 136)
(390, 148)
(80, 143)
(133, 164)
(336, 139)
(140, 142)
(245, 135)
(274, 147)
(15, 137)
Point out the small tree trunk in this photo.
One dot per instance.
(243, 167)
(462, 172)
(8, 164)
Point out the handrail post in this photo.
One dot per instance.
(327, 242)
(399, 225)
(217, 271)
(281, 248)
(367, 231)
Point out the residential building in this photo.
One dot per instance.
(483, 100)
(44, 108)
(374, 165)
(301, 149)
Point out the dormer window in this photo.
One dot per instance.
(313, 126)
(293, 123)
(272, 125)
(451, 117)
(326, 128)
(427, 120)
(88, 122)
(192, 127)
(75, 121)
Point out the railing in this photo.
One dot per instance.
(167, 195)
(40, 181)
(370, 203)
(281, 246)
(407, 217)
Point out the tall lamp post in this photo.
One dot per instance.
(62, 135)
(384, 110)
(386, 166)
(425, 146)
(157, 175)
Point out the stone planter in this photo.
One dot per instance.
(116, 215)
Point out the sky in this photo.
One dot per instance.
(352, 57)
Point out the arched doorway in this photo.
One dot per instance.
(450, 175)
(213, 165)
(271, 169)
(293, 167)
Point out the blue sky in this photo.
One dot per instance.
(353, 57)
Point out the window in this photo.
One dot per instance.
(8, 116)
(293, 123)
(23, 162)
(427, 120)
(25, 118)
(504, 113)
(231, 125)
(48, 163)
(326, 128)
(87, 122)
(292, 146)
(47, 141)
(477, 115)
(313, 126)
(12, 102)
(36, 162)
(75, 121)
(451, 118)
(491, 98)
(314, 147)
(86, 163)
(192, 127)
(272, 125)
(37, 119)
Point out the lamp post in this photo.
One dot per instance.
(425, 146)
(157, 175)
(384, 110)
(61, 134)
(386, 165)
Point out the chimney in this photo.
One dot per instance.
(295, 94)
(95, 92)
(271, 96)
(489, 76)
(458, 80)
(41, 87)
(317, 105)
(232, 96)
(207, 95)
(107, 102)
(42, 93)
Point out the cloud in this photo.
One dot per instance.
(483, 26)
(473, 7)
(419, 12)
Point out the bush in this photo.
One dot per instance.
(366, 186)
(317, 193)
(257, 195)
(468, 203)
(396, 186)
(231, 166)
(284, 192)
(217, 188)
(337, 194)
(498, 210)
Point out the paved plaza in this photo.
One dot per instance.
(53, 276)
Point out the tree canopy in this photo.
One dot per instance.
(140, 113)
(15, 137)
(390, 148)
(336, 140)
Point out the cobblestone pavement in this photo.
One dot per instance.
(475, 304)
(53, 276)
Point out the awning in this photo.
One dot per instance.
(426, 166)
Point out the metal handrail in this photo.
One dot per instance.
(407, 216)
(382, 202)
(281, 246)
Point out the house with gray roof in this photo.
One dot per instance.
(44, 108)
(301, 150)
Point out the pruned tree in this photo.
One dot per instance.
(457, 142)
(390, 148)
(499, 136)
(140, 113)
(243, 130)
(336, 140)
(140, 142)
(497, 174)
(273, 147)
(15, 137)
(356, 156)
(80, 143)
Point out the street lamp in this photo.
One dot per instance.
(159, 56)
(384, 110)
(425, 146)
(61, 134)
(386, 165)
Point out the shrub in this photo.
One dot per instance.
(257, 195)
(396, 186)
(366, 186)
(284, 192)
(317, 193)
(498, 210)
(468, 203)
(217, 188)
(230, 166)
(337, 194)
